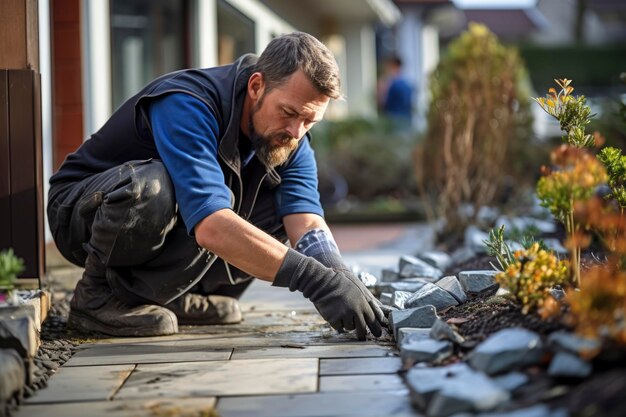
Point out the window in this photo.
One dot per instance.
(235, 33)
(148, 39)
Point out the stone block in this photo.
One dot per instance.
(389, 275)
(424, 382)
(413, 334)
(506, 350)
(439, 259)
(569, 342)
(12, 377)
(431, 294)
(452, 285)
(565, 364)
(410, 266)
(443, 331)
(411, 285)
(18, 331)
(478, 281)
(511, 381)
(426, 350)
(470, 392)
(398, 299)
(421, 317)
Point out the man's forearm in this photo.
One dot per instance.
(241, 244)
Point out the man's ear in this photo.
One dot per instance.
(256, 86)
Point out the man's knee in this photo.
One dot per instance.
(152, 188)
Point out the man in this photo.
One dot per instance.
(396, 93)
(191, 187)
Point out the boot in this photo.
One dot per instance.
(94, 307)
(197, 309)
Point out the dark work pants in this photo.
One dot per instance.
(127, 218)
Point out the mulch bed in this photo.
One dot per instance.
(602, 394)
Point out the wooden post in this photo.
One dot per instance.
(21, 163)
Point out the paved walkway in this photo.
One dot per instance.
(283, 360)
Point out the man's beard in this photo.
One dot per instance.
(274, 149)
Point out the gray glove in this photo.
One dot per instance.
(339, 296)
(319, 245)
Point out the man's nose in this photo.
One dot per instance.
(296, 129)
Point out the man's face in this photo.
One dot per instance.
(280, 118)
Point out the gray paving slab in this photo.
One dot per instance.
(129, 408)
(336, 404)
(84, 383)
(359, 366)
(248, 339)
(357, 383)
(222, 378)
(145, 353)
(351, 350)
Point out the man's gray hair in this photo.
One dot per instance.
(286, 54)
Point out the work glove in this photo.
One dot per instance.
(339, 296)
(320, 245)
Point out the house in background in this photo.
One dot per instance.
(97, 53)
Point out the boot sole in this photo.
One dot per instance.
(84, 323)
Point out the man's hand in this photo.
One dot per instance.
(339, 296)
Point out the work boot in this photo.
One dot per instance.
(94, 307)
(197, 309)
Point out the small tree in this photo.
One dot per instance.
(479, 106)
(577, 173)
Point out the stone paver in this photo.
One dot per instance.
(84, 383)
(145, 353)
(359, 366)
(222, 378)
(358, 383)
(352, 350)
(131, 408)
(365, 404)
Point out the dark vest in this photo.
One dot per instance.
(127, 135)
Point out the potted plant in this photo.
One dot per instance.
(10, 267)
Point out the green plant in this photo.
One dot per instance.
(497, 247)
(531, 274)
(615, 164)
(479, 107)
(10, 267)
(578, 172)
(571, 112)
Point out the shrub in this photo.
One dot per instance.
(533, 272)
(479, 107)
(615, 164)
(367, 158)
(599, 308)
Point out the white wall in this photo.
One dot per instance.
(96, 51)
(45, 68)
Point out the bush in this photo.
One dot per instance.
(531, 275)
(479, 109)
(363, 159)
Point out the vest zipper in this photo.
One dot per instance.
(256, 194)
